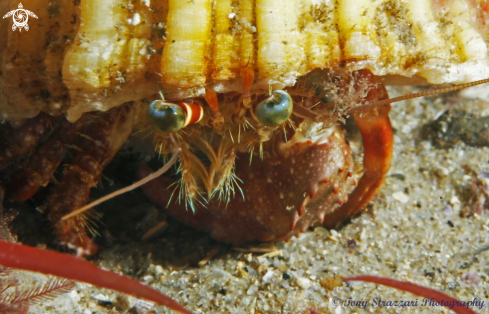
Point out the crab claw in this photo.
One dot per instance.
(282, 196)
(375, 128)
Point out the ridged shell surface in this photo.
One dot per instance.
(80, 56)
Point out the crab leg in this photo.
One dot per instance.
(376, 131)
(101, 139)
(41, 166)
(17, 141)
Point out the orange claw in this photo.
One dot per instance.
(375, 128)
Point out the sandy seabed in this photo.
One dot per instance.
(412, 231)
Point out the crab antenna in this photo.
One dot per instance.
(429, 294)
(415, 95)
(131, 187)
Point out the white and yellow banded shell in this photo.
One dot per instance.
(93, 55)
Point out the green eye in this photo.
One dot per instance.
(166, 117)
(275, 110)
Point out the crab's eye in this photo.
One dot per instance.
(166, 117)
(276, 109)
(170, 117)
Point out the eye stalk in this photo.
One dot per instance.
(170, 117)
(275, 110)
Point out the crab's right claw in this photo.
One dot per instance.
(376, 131)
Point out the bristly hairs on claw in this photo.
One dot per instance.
(219, 180)
(228, 180)
(226, 190)
(251, 149)
(222, 170)
(191, 168)
(187, 186)
(187, 191)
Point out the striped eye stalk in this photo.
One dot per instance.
(170, 117)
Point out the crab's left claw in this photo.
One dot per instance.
(376, 131)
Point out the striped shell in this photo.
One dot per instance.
(90, 55)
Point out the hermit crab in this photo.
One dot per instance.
(249, 99)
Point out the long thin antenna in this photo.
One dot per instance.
(415, 95)
(131, 187)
